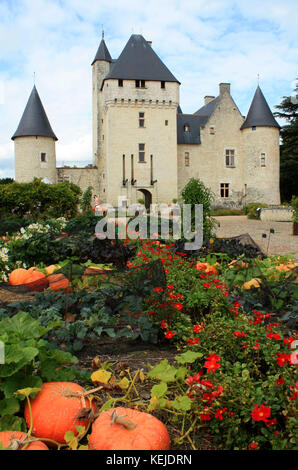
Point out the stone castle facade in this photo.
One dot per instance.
(144, 147)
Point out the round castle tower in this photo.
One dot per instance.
(35, 144)
(261, 143)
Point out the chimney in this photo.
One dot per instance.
(149, 43)
(224, 88)
(208, 99)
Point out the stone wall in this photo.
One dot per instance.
(281, 214)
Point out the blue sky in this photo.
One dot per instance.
(202, 42)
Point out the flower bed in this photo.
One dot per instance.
(233, 378)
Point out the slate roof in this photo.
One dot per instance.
(102, 53)
(208, 108)
(34, 121)
(138, 61)
(259, 113)
(194, 122)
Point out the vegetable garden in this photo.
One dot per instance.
(221, 324)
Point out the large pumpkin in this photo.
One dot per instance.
(18, 277)
(55, 410)
(8, 438)
(36, 281)
(58, 281)
(128, 429)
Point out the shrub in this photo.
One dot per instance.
(195, 192)
(39, 200)
(85, 201)
(251, 210)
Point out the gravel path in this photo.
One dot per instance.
(281, 242)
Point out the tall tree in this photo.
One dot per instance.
(288, 110)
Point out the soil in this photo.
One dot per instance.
(139, 356)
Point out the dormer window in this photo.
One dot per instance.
(186, 127)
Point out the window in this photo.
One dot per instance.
(224, 189)
(212, 130)
(43, 157)
(140, 83)
(230, 161)
(141, 119)
(120, 82)
(186, 127)
(263, 156)
(166, 122)
(253, 128)
(186, 158)
(162, 84)
(141, 152)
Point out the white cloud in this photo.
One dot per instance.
(202, 43)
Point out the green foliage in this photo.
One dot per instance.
(86, 201)
(195, 192)
(246, 354)
(6, 180)
(294, 205)
(12, 225)
(251, 210)
(29, 361)
(39, 200)
(221, 212)
(288, 109)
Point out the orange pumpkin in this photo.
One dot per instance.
(36, 281)
(211, 269)
(128, 429)
(58, 281)
(8, 437)
(201, 266)
(252, 283)
(55, 410)
(18, 277)
(32, 269)
(92, 271)
(50, 269)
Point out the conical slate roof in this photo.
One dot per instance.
(138, 61)
(34, 121)
(102, 53)
(259, 113)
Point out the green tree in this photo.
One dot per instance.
(195, 192)
(86, 201)
(288, 110)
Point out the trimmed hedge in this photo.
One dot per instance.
(38, 200)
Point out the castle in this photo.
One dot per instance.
(144, 147)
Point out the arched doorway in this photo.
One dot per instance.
(147, 196)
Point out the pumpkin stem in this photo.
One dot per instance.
(126, 423)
